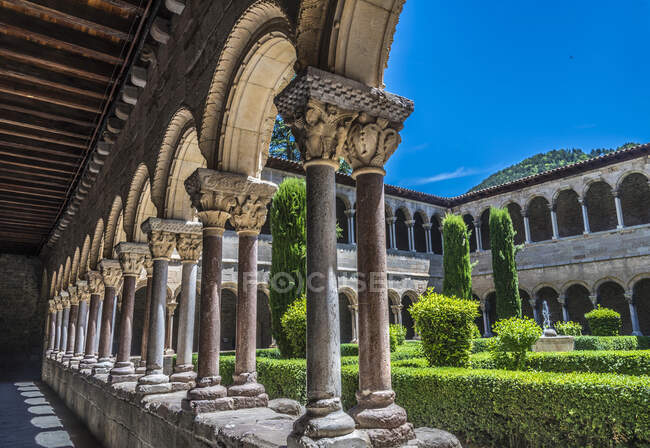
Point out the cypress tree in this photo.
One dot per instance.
(456, 264)
(504, 266)
(288, 254)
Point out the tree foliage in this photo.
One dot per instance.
(456, 263)
(542, 162)
(504, 266)
(288, 254)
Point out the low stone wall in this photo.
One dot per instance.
(118, 419)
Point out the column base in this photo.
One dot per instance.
(123, 372)
(184, 377)
(153, 383)
(66, 358)
(384, 421)
(103, 366)
(247, 392)
(142, 367)
(86, 365)
(208, 396)
(324, 421)
(169, 352)
(356, 439)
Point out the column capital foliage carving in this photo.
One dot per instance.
(74, 296)
(95, 282)
(189, 246)
(132, 257)
(148, 265)
(250, 212)
(111, 272)
(65, 299)
(83, 291)
(52, 306)
(161, 243)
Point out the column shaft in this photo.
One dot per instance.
(82, 324)
(585, 217)
(52, 341)
(156, 341)
(107, 323)
(72, 331)
(619, 212)
(91, 331)
(98, 325)
(59, 319)
(169, 331)
(556, 232)
(479, 240)
(186, 315)
(145, 323)
(527, 229)
(123, 364)
(64, 329)
(245, 339)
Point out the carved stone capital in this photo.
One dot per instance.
(95, 282)
(74, 296)
(189, 246)
(171, 307)
(370, 143)
(161, 244)
(51, 306)
(148, 265)
(83, 291)
(132, 257)
(561, 300)
(65, 299)
(58, 304)
(111, 272)
(629, 296)
(249, 215)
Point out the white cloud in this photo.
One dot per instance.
(460, 172)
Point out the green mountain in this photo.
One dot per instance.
(544, 161)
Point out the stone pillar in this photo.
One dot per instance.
(65, 300)
(487, 326)
(213, 195)
(442, 239)
(148, 265)
(111, 274)
(248, 217)
(189, 248)
(619, 210)
(83, 293)
(477, 232)
(58, 320)
(52, 328)
(392, 243)
(527, 228)
(427, 236)
(634, 317)
(593, 298)
(410, 227)
(96, 288)
(354, 311)
(132, 257)
(585, 216)
(161, 244)
(169, 328)
(351, 230)
(315, 105)
(565, 310)
(72, 325)
(556, 232)
(397, 313)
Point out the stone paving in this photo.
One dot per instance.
(33, 416)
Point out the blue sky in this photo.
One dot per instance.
(495, 82)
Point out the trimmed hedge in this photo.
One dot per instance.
(604, 322)
(588, 343)
(619, 362)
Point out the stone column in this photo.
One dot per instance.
(82, 323)
(634, 317)
(52, 329)
(351, 231)
(354, 311)
(65, 300)
(585, 216)
(479, 239)
(392, 243)
(189, 248)
(248, 217)
(72, 325)
(148, 265)
(161, 244)
(132, 257)
(527, 228)
(57, 328)
(442, 239)
(556, 232)
(111, 274)
(427, 236)
(96, 288)
(410, 232)
(619, 210)
(593, 298)
(397, 313)
(169, 329)
(487, 329)
(565, 310)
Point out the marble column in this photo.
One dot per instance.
(189, 248)
(392, 243)
(248, 217)
(565, 310)
(585, 216)
(52, 329)
(477, 233)
(169, 328)
(72, 324)
(132, 257)
(487, 326)
(410, 227)
(556, 232)
(427, 235)
(96, 289)
(58, 320)
(100, 312)
(527, 228)
(82, 323)
(65, 300)
(619, 210)
(111, 275)
(148, 265)
(634, 316)
(397, 313)
(351, 230)
(161, 244)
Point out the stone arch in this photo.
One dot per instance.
(408, 298)
(140, 178)
(601, 209)
(419, 236)
(526, 308)
(59, 280)
(611, 294)
(74, 270)
(569, 213)
(96, 245)
(578, 303)
(545, 292)
(469, 222)
(256, 63)
(436, 234)
(517, 218)
(83, 262)
(112, 226)
(145, 209)
(539, 219)
(342, 220)
(634, 193)
(641, 297)
(401, 230)
(53, 284)
(485, 229)
(66, 273)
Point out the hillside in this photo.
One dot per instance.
(543, 162)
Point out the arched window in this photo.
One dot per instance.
(641, 295)
(420, 238)
(401, 231)
(578, 304)
(634, 193)
(601, 209)
(539, 219)
(469, 222)
(612, 295)
(485, 229)
(517, 222)
(569, 214)
(341, 222)
(436, 236)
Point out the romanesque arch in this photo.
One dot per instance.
(485, 229)
(85, 252)
(469, 222)
(641, 296)
(634, 193)
(611, 294)
(256, 63)
(112, 226)
(436, 235)
(578, 304)
(569, 213)
(133, 200)
(66, 273)
(419, 232)
(539, 218)
(401, 230)
(74, 270)
(96, 245)
(601, 209)
(517, 218)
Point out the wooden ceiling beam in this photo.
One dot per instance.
(31, 191)
(39, 159)
(40, 138)
(22, 180)
(19, 211)
(36, 9)
(41, 149)
(20, 236)
(30, 205)
(26, 223)
(25, 78)
(47, 116)
(32, 166)
(33, 94)
(32, 173)
(36, 127)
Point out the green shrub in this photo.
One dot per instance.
(445, 326)
(349, 350)
(397, 335)
(288, 261)
(481, 345)
(514, 338)
(568, 328)
(294, 325)
(604, 322)
(455, 260)
(606, 343)
(476, 333)
(504, 266)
